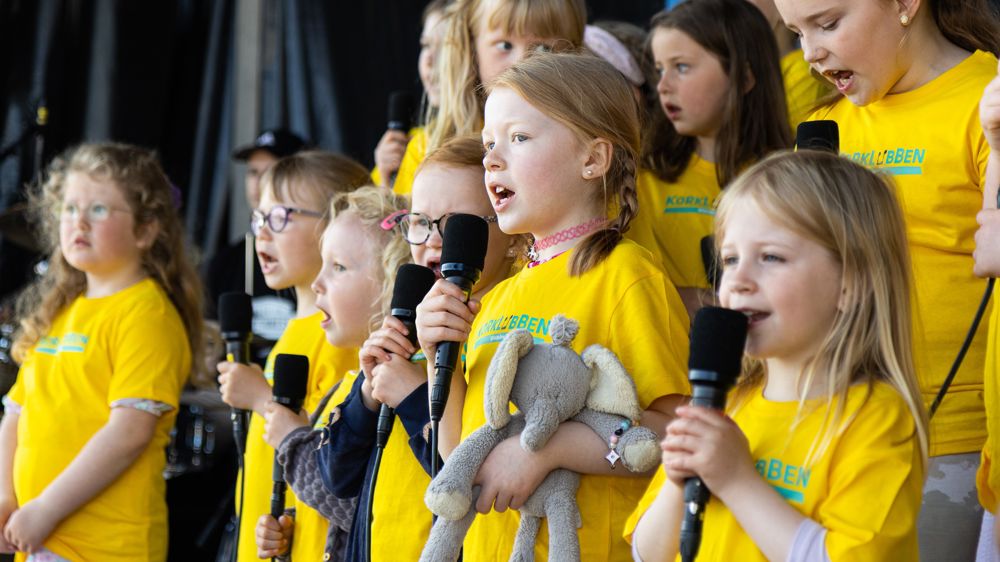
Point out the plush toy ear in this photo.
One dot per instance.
(611, 388)
(500, 376)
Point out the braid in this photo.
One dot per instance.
(599, 245)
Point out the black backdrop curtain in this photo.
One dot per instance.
(160, 73)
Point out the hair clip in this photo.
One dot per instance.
(389, 222)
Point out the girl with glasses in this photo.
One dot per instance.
(288, 225)
(107, 339)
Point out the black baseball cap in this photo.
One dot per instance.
(279, 142)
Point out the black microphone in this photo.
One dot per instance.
(401, 107)
(718, 336)
(463, 253)
(235, 316)
(412, 283)
(818, 135)
(291, 377)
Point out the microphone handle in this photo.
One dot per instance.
(278, 490)
(446, 357)
(696, 494)
(238, 351)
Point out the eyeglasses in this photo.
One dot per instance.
(277, 218)
(96, 212)
(417, 227)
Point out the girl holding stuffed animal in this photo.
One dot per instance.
(482, 38)
(908, 106)
(106, 341)
(722, 107)
(824, 455)
(561, 136)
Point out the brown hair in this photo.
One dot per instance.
(461, 106)
(756, 116)
(313, 176)
(138, 175)
(970, 24)
(854, 214)
(592, 99)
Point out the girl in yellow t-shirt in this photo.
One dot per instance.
(561, 136)
(822, 456)
(353, 291)
(722, 107)
(107, 339)
(482, 38)
(295, 193)
(909, 108)
(392, 146)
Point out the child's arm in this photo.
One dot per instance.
(574, 446)
(297, 453)
(8, 444)
(107, 454)
(445, 316)
(702, 442)
(244, 386)
(657, 534)
(347, 446)
(987, 253)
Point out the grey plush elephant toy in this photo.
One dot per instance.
(549, 384)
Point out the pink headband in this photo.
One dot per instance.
(609, 48)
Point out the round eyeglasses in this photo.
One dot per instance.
(95, 212)
(277, 218)
(417, 227)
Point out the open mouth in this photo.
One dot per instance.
(842, 79)
(755, 316)
(267, 262)
(501, 196)
(435, 265)
(672, 111)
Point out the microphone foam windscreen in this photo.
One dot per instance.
(818, 135)
(718, 336)
(401, 107)
(412, 283)
(465, 241)
(291, 377)
(235, 312)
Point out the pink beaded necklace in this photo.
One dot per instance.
(562, 236)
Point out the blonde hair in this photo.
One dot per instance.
(461, 106)
(314, 177)
(592, 99)
(137, 174)
(371, 204)
(854, 214)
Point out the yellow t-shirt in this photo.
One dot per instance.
(865, 490)
(129, 345)
(376, 174)
(674, 217)
(416, 149)
(302, 336)
(802, 89)
(931, 142)
(988, 476)
(625, 303)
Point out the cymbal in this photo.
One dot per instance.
(15, 226)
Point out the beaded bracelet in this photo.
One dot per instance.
(613, 455)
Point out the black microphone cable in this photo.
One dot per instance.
(965, 344)
(412, 284)
(235, 321)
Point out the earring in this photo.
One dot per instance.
(590, 173)
(511, 252)
(904, 19)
